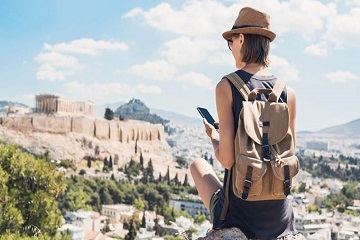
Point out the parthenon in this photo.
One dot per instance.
(47, 103)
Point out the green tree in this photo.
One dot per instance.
(139, 204)
(110, 163)
(76, 198)
(106, 162)
(132, 231)
(302, 187)
(181, 161)
(186, 181)
(141, 161)
(105, 196)
(176, 179)
(199, 218)
(89, 162)
(109, 114)
(167, 176)
(29, 188)
(143, 220)
(150, 171)
(144, 179)
(82, 172)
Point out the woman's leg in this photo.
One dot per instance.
(205, 179)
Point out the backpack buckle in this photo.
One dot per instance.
(247, 184)
(266, 153)
(287, 183)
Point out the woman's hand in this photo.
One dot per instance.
(210, 130)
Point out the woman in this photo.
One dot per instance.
(249, 41)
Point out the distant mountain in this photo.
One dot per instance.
(5, 104)
(350, 128)
(177, 118)
(137, 110)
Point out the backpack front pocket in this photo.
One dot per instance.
(241, 183)
(280, 182)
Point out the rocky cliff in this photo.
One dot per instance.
(75, 138)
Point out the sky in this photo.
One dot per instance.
(171, 55)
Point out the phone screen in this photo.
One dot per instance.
(205, 114)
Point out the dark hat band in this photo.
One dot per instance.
(244, 26)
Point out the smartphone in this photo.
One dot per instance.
(205, 114)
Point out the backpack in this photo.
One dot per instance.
(265, 162)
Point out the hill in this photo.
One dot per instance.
(137, 110)
(5, 104)
(350, 128)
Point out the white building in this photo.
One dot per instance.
(310, 224)
(84, 225)
(118, 212)
(191, 207)
(76, 233)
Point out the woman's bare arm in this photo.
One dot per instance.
(225, 151)
(291, 101)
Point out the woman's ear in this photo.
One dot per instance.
(241, 39)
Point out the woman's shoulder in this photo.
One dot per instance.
(223, 84)
(290, 91)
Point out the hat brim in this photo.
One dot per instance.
(250, 30)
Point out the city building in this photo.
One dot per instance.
(190, 206)
(310, 224)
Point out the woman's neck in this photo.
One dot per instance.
(256, 69)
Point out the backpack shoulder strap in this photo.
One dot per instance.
(239, 84)
(276, 91)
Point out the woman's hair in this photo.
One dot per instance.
(256, 49)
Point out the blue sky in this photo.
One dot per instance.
(170, 54)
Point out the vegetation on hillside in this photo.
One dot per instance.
(346, 169)
(34, 195)
(141, 188)
(342, 168)
(29, 189)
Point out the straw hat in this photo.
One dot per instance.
(251, 21)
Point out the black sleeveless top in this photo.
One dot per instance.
(256, 219)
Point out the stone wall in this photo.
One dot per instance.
(123, 131)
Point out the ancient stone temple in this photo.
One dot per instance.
(47, 103)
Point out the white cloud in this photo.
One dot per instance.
(148, 89)
(319, 49)
(344, 30)
(56, 66)
(341, 76)
(283, 69)
(101, 92)
(59, 60)
(211, 18)
(195, 18)
(353, 2)
(87, 46)
(196, 79)
(133, 13)
(183, 51)
(221, 58)
(156, 70)
(298, 15)
(98, 89)
(47, 72)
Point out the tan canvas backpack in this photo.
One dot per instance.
(265, 162)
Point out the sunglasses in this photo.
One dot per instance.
(230, 41)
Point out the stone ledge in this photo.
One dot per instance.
(225, 234)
